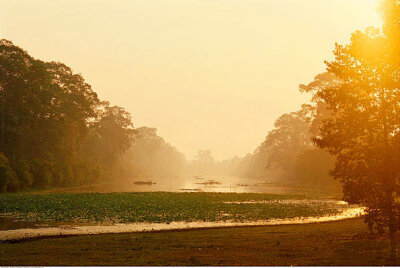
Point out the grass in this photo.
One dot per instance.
(334, 243)
(155, 207)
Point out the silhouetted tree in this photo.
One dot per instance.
(362, 131)
(50, 122)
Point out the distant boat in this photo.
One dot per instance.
(266, 182)
(243, 185)
(210, 182)
(191, 190)
(144, 182)
(198, 177)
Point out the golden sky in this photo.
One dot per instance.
(208, 74)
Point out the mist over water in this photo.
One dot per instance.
(192, 184)
(223, 184)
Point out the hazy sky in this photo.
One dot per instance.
(208, 74)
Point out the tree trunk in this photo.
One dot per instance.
(2, 131)
(392, 244)
(392, 227)
(2, 134)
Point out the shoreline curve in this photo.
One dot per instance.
(64, 231)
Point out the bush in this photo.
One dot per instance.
(22, 169)
(8, 178)
(42, 175)
(312, 168)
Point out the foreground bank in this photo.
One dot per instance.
(335, 243)
(67, 230)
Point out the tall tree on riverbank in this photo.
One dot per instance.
(363, 130)
(54, 131)
(48, 116)
(290, 137)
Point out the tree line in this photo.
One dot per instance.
(288, 153)
(54, 130)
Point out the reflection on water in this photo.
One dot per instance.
(227, 184)
(197, 184)
(194, 184)
(8, 223)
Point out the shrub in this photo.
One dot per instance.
(8, 178)
(42, 175)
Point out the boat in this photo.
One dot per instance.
(144, 182)
(210, 182)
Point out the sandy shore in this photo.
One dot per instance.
(24, 234)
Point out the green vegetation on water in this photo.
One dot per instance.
(157, 207)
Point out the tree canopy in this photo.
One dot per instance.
(54, 130)
(362, 128)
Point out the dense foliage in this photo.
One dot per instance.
(288, 153)
(54, 130)
(151, 156)
(363, 128)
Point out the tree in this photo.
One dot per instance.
(112, 134)
(8, 178)
(314, 165)
(290, 137)
(288, 152)
(24, 96)
(50, 122)
(26, 93)
(204, 162)
(151, 156)
(318, 111)
(312, 169)
(73, 107)
(362, 131)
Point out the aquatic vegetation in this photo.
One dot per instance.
(159, 207)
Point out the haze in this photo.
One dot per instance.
(207, 74)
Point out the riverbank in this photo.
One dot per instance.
(71, 230)
(335, 243)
